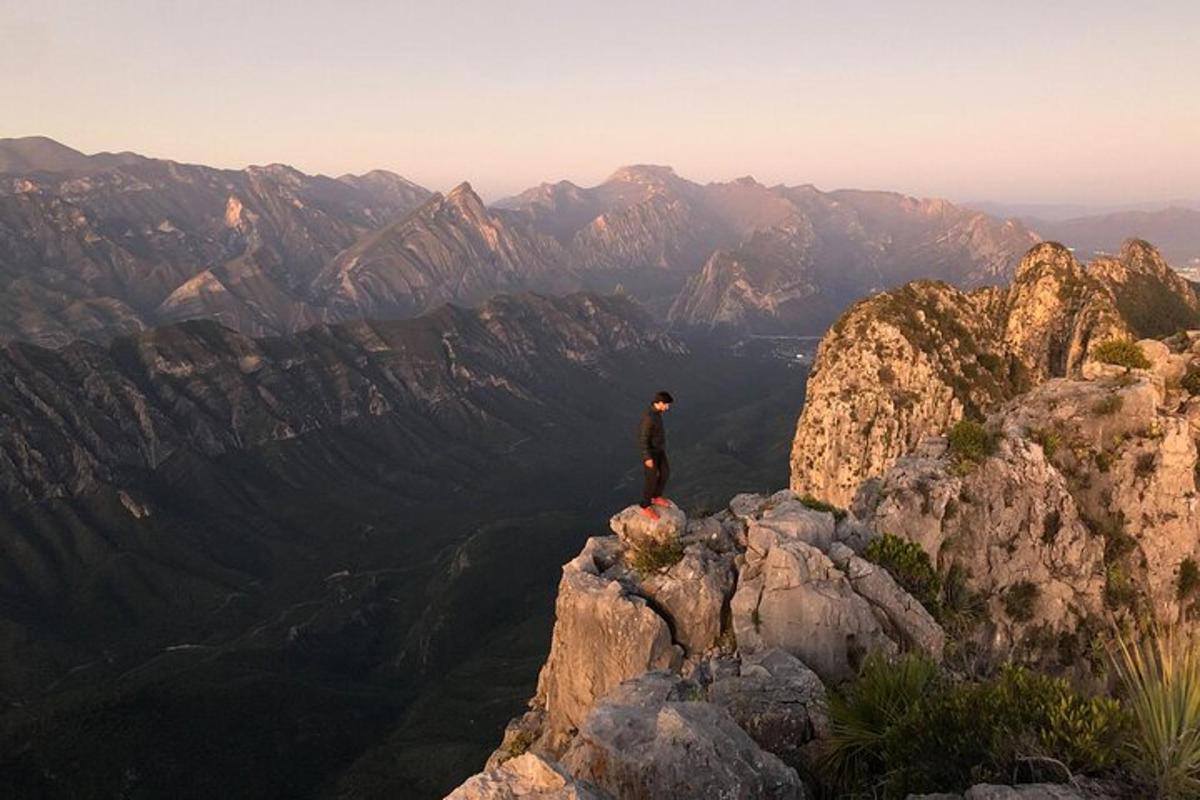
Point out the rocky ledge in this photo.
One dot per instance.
(690, 657)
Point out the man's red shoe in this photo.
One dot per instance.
(649, 512)
(661, 501)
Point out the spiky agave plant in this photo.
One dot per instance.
(1161, 678)
(863, 712)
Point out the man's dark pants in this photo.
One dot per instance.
(656, 478)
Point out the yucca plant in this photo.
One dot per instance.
(862, 715)
(1161, 678)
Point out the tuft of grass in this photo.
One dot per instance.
(655, 555)
(864, 713)
(1048, 439)
(1144, 466)
(970, 443)
(1020, 600)
(910, 566)
(1109, 404)
(1189, 578)
(1161, 679)
(518, 745)
(808, 501)
(1122, 353)
(1051, 525)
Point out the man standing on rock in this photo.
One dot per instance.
(652, 438)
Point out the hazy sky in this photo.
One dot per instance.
(1048, 101)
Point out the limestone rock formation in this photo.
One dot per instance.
(910, 363)
(748, 604)
(1089, 504)
(635, 529)
(779, 701)
(603, 635)
(526, 777)
(791, 596)
(645, 745)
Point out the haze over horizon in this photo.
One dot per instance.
(1021, 105)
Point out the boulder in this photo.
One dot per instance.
(779, 701)
(914, 625)
(791, 596)
(691, 595)
(526, 777)
(641, 743)
(603, 634)
(635, 529)
(747, 505)
(792, 519)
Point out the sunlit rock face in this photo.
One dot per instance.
(909, 363)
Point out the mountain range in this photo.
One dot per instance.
(95, 246)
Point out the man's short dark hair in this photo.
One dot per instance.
(664, 397)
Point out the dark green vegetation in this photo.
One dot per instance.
(970, 443)
(904, 726)
(1020, 601)
(1189, 579)
(1122, 353)
(653, 556)
(910, 566)
(1048, 439)
(808, 501)
(1152, 308)
(1191, 381)
(352, 542)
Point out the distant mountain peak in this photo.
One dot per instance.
(465, 198)
(643, 173)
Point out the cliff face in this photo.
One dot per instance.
(911, 362)
(1088, 506)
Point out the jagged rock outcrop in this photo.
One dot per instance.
(755, 605)
(526, 777)
(1089, 505)
(909, 363)
(648, 742)
(603, 635)
(780, 702)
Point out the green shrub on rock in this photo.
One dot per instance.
(910, 566)
(654, 555)
(905, 728)
(808, 501)
(1190, 382)
(1122, 353)
(1020, 600)
(970, 443)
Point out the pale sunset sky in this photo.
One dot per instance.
(1052, 102)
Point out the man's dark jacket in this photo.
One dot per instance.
(652, 437)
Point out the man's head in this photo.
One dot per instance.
(663, 400)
